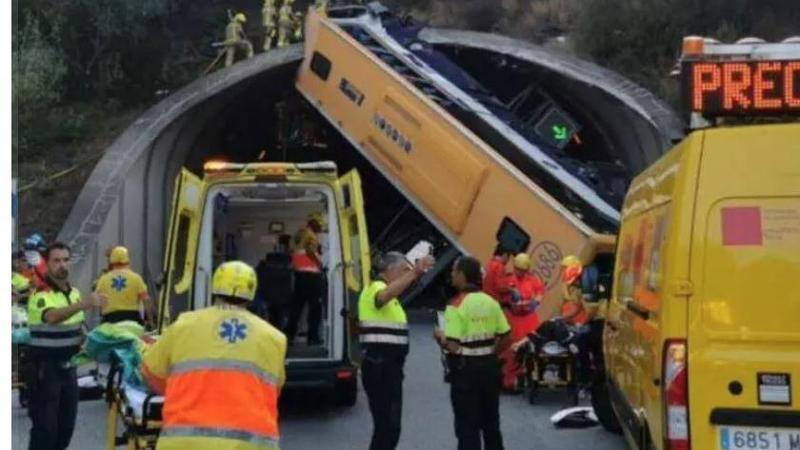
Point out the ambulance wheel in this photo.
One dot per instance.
(601, 402)
(346, 394)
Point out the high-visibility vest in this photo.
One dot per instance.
(60, 341)
(385, 325)
(124, 289)
(20, 284)
(475, 321)
(221, 371)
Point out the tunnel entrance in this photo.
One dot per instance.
(252, 112)
(268, 120)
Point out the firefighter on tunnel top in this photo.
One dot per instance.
(235, 39)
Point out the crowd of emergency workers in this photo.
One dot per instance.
(487, 323)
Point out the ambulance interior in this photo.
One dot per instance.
(257, 223)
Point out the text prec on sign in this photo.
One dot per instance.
(719, 88)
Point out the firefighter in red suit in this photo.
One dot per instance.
(498, 280)
(526, 295)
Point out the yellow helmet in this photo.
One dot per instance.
(119, 255)
(234, 279)
(240, 17)
(317, 217)
(522, 261)
(571, 261)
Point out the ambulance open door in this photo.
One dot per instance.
(175, 295)
(355, 251)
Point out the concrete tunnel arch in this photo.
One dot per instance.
(127, 198)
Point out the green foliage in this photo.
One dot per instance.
(38, 72)
(103, 42)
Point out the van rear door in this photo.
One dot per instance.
(181, 249)
(355, 251)
(744, 316)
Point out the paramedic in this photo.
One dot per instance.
(55, 318)
(125, 290)
(308, 282)
(221, 370)
(476, 331)
(383, 332)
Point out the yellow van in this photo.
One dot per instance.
(702, 339)
(248, 212)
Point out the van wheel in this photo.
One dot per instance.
(601, 402)
(346, 394)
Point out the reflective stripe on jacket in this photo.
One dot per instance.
(222, 371)
(385, 325)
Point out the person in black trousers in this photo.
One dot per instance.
(476, 331)
(55, 317)
(308, 280)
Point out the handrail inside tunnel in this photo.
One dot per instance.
(126, 199)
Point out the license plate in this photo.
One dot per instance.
(749, 438)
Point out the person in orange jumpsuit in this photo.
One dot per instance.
(498, 279)
(572, 309)
(526, 296)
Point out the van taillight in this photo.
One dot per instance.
(676, 395)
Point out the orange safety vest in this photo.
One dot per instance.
(221, 371)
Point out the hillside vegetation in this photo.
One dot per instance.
(83, 69)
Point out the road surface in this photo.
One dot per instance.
(427, 417)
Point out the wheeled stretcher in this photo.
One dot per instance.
(134, 416)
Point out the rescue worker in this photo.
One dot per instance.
(55, 318)
(285, 23)
(572, 309)
(498, 281)
(595, 302)
(236, 39)
(308, 282)
(34, 246)
(521, 315)
(476, 331)
(268, 14)
(383, 333)
(126, 291)
(221, 370)
(20, 283)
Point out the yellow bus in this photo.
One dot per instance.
(475, 178)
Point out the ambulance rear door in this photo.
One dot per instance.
(355, 252)
(182, 236)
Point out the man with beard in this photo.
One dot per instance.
(55, 317)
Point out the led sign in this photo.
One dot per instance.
(736, 88)
(556, 127)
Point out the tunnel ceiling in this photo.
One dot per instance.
(128, 195)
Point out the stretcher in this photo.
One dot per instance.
(133, 411)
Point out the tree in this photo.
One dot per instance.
(38, 72)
